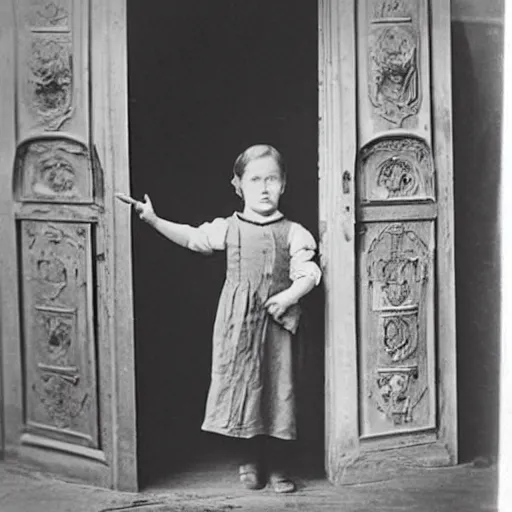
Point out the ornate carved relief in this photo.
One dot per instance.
(51, 78)
(62, 398)
(54, 255)
(395, 305)
(44, 14)
(54, 170)
(60, 378)
(395, 397)
(396, 168)
(397, 265)
(52, 62)
(391, 9)
(399, 333)
(54, 174)
(394, 81)
(52, 277)
(57, 330)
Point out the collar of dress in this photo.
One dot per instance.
(275, 217)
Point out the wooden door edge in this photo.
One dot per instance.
(109, 78)
(443, 151)
(337, 150)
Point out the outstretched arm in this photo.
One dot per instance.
(177, 233)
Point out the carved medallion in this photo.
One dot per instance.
(57, 332)
(51, 78)
(59, 337)
(399, 177)
(400, 335)
(55, 175)
(397, 266)
(53, 170)
(394, 88)
(396, 168)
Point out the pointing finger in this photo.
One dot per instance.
(125, 198)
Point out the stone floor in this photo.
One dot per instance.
(464, 488)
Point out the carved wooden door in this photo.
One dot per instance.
(387, 224)
(66, 274)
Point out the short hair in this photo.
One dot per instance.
(255, 152)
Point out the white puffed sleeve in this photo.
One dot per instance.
(208, 237)
(302, 251)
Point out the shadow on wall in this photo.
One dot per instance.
(477, 49)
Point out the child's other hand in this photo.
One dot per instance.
(145, 210)
(278, 304)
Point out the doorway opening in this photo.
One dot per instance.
(206, 80)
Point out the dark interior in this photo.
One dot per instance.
(206, 80)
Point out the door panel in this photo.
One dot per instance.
(53, 68)
(387, 244)
(396, 169)
(59, 335)
(393, 66)
(397, 378)
(395, 174)
(65, 361)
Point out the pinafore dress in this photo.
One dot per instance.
(252, 383)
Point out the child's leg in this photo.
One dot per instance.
(248, 451)
(249, 456)
(279, 457)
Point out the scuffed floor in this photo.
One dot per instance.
(215, 489)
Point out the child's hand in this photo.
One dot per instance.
(144, 209)
(278, 304)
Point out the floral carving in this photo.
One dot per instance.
(400, 336)
(52, 276)
(53, 14)
(57, 170)
(51, 78)
(49, 15)
(397, 167)
(59, 336)
(399, 177)
(59, 330)
(53, 265)
(61, 397)
(54, 175)
(397, 262)
(394, 396)
(394, 82)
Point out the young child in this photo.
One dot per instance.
(269, 268)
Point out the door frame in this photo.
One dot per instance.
(338, 149)
(337, 154)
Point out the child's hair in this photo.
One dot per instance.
(253, 153)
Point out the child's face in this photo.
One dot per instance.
(262, 185)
